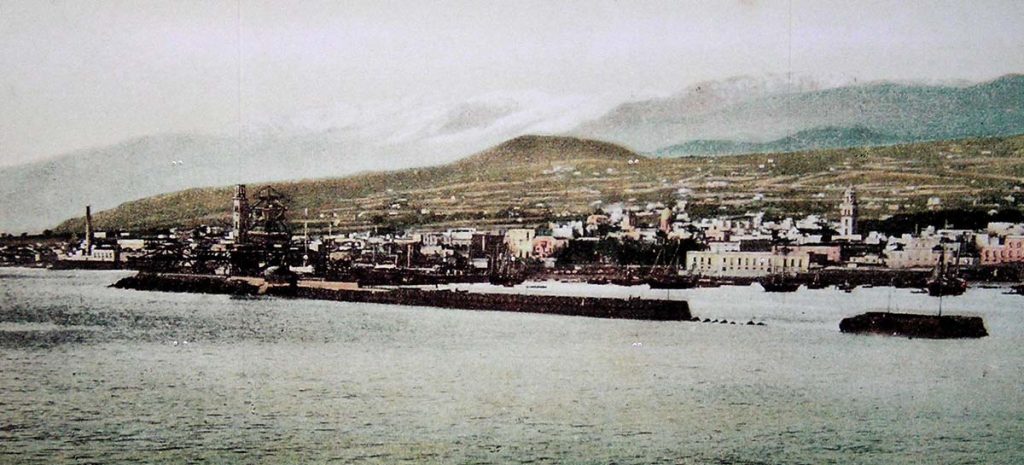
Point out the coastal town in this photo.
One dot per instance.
(534, 232)
(653, 244)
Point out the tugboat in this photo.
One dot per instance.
(945, 280)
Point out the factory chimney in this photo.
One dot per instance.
(88, 229)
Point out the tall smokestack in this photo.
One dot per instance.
(88, 229)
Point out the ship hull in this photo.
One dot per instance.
(944, 288)
(770, 286)
(671, 282)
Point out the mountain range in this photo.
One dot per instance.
(724, 117)
(904, 112)
(323, 142)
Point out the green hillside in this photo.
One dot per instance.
(531, 179)
(829, 137)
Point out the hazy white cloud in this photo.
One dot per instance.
(80, 74)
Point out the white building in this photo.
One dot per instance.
(520, 242)
(918, 252)
(746, 264)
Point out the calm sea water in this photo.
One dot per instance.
(90, 374)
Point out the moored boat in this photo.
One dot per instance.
(945, 279)
(816, 282)
(779, 283)
(506, 271)
(507, 280)
(671, 281)
(946, 286)
(626, 280)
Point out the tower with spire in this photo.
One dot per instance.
(848, 213)
(240, 214)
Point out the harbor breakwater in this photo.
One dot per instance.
(596, 307)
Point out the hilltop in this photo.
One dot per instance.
(516, 169)
(546, 149)
(532, 179)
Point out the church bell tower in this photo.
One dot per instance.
(848, 213)
(240, 214)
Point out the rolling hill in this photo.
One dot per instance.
(531, 179)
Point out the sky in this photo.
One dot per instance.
(87, 73)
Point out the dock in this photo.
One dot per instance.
(594, 307)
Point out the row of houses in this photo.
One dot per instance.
(747, 245)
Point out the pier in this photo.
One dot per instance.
(595, 307)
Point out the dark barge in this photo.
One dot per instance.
(198, 284)
(596, 307)
(915, 325)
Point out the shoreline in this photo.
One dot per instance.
(829, 276)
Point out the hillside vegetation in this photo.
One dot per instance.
(531, 179)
